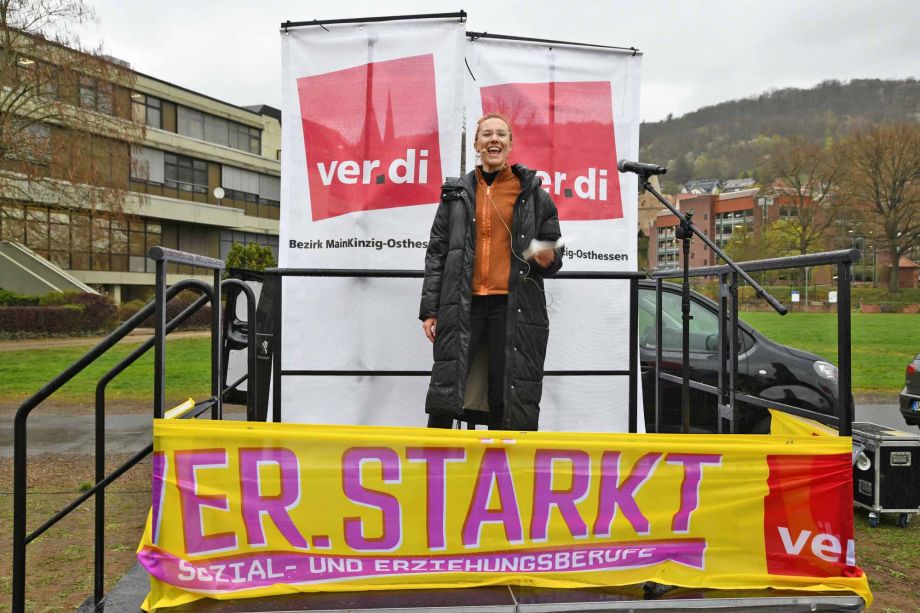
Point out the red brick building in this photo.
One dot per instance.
(718, 216)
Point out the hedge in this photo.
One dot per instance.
(55, 314)
(200, 319)
(8, 298)
(41, 321)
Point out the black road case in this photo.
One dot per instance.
(886, 474)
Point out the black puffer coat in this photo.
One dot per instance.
(446, 294)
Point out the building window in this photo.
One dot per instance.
(33, 145)
(12, 227)
(229, 237)
(246, 186)
(727, 223)
(147, 110)
(76, 240)
(245, 138)
(96, 95)
(37, 76)
(185, 173)
(142, 235)
(218, 130)
(190, 122)
(148, 165)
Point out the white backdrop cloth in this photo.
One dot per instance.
(375, 126)
(574, 111)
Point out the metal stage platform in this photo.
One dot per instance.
(515, 599)
(131, 590)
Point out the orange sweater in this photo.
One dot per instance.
(494, 211)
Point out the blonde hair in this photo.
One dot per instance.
(494, 116)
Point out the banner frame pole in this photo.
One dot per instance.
(474, 35)
(287, 25)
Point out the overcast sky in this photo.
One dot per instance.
(695, 53)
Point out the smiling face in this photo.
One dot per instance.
(493, 143)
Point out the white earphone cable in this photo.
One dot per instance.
(527, 276)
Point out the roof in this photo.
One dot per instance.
(192, 91)
(264, 109)
(701, 186)
(735, 184)
(741, 193)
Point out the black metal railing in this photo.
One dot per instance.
(274, 285)
(162, 256)
(157, 308)
(727, 389)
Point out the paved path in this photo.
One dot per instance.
(884, 415)
(130, 433)
(136, 336)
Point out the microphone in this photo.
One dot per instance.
(641, 169)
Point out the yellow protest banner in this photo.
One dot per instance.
(785, 424)
(251, 509)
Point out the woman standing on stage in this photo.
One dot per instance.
(483, 304)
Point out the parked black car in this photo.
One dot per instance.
(910, 395)
(765, 368)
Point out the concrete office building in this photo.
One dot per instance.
(192, 145)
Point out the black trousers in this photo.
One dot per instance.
(488, 315)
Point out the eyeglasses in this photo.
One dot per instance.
(501, 134)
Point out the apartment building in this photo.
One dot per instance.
(201, 175)
(718, 216)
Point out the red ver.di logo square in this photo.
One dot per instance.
(564, 131)
(371, 136)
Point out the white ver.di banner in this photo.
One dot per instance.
(574, 110)
(372, 127)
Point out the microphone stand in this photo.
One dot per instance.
(685, 232)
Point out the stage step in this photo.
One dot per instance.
(130, 591)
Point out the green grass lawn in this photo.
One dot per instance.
(882, 344)
(188, 368)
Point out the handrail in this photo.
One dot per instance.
(162, 256)
(20, 447)
(419, 274)
(99, 538)
(157, 307)
(843, 258)
(792, 261)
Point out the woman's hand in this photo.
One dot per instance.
(430, 327)
(545, 257)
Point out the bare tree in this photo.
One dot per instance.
(809, 174)
(884, 177)
(65, 112)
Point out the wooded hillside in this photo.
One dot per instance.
(731, 139)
